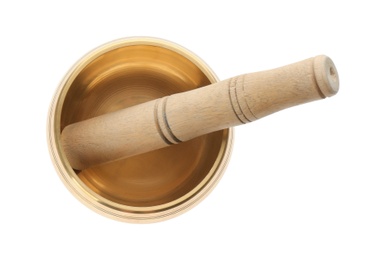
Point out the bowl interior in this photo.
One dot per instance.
(126, 76)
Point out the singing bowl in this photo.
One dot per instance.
(150, 187)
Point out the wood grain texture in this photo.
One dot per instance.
(183, 116)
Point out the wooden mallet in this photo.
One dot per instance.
(183, 116)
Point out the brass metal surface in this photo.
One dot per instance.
(153, 186)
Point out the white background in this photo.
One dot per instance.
(305, 183)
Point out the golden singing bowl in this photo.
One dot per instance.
(153, 186)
